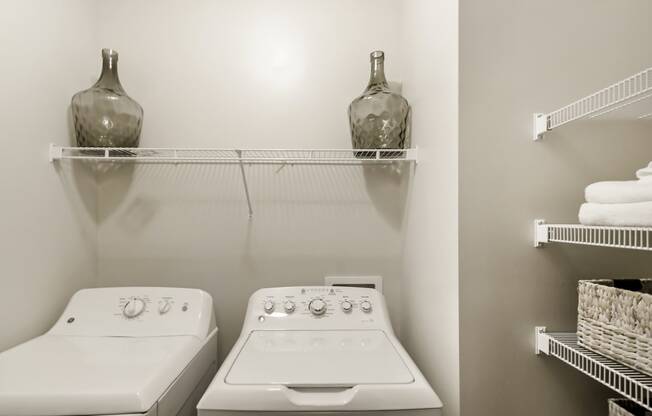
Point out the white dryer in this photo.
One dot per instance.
(318, 349)
(120, 351)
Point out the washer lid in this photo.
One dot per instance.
(61, 375)
(318, 359)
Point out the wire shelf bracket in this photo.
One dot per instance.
(541, 341)
(631, 96)
(540, 125)
(633, 238)
(241, 157)
(625, 380)
(540, 233)
(55, 152)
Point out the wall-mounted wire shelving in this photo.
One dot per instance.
(630, 98)
(226, 156)
(241, 157)
(634, 238)
(628, 382)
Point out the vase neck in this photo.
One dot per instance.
(109, 78)
(377, 78)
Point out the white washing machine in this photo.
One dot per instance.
(118, 351)
(318, 349)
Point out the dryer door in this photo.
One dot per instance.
(318, 359)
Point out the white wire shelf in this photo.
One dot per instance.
(240, 157)
(628, 382)
(234, 156)
(630, 98)
(634, 238)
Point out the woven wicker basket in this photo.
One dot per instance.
(624, 407)
(615, 320)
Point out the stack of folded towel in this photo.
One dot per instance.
(622, 204)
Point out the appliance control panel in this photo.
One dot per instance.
(318, 307)
(137, 311)
(140, 306)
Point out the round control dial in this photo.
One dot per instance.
(134, 307)
(269, 306)
(347, 306)
(365, 305)
(289, 306)
(317, 307)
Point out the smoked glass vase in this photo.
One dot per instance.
(379, 118)
(104, 115)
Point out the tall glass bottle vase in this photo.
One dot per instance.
(104, 115)
(379, 118)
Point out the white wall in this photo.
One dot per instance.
(237, 74)
(48, 235)
(430, 287)
(518, 57)
(245, 74)
(255, 73)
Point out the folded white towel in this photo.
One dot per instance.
(637, 214)
(622, 192)
(645, 173)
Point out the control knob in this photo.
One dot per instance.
(365, 305)
(347, 306)
(289, 306)
(269, 306)
(164, 306)
(134, 307)
(317, 307)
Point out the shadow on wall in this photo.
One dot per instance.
(79, 182)
(387, 188)
(135, 193)
(574, 146)
(82, 178)
(164, 210)
(82, 171)
(80, 188)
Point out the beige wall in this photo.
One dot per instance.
(48, 237)
(519, 57)
(430, 325)
(249, 74)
